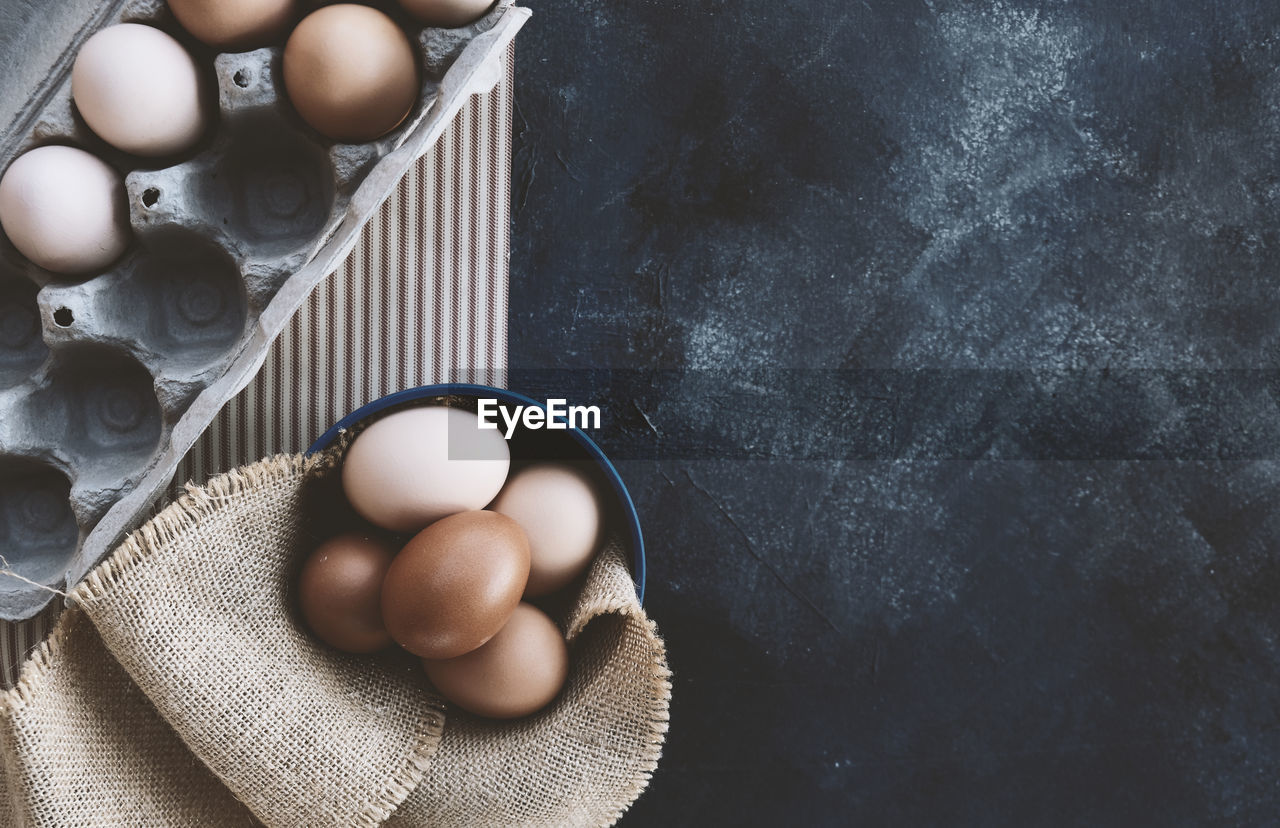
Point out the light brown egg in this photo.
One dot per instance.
(455, 584)
(559, 509)
(518, 672)
(340, 592)
(351, 72)
(236, 25)
(447, 14)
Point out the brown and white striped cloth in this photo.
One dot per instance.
(422, 299)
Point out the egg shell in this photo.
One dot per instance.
(416, 466)
(351, 72)
(236, 25)
(340, 592)
(517, 672)
(140, 91)
(65, 209)
(447, 14)
(560, 510)
(455, 584)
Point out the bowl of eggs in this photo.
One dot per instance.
(421, 615)
(458, 545)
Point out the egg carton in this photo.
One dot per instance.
(106, 382)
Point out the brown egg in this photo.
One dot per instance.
(236, 25)
(519, 671)
(447, 14)
(455, 584)
(351, 72)
(340, 590)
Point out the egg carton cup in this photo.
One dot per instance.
(107, 381)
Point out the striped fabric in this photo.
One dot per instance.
(422, 299)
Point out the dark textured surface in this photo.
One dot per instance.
(940, 338)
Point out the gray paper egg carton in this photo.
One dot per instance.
(107, 381)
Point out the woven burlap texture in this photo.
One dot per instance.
(84, 747)
(181, 689)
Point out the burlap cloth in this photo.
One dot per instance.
(180, 689)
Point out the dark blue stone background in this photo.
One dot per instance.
(939, 343)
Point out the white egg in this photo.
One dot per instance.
(140, 90)
(560, 510)
(419, 465)
(65, 210)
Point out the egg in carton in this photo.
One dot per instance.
(107, 380)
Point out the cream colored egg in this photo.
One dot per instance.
(416, 466)
(559, 508)
(65, 210)
(140, 90)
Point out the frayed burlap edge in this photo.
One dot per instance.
(659, 724)
(659, 683)
(36, 668)
(35, 671)
(184, 515)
